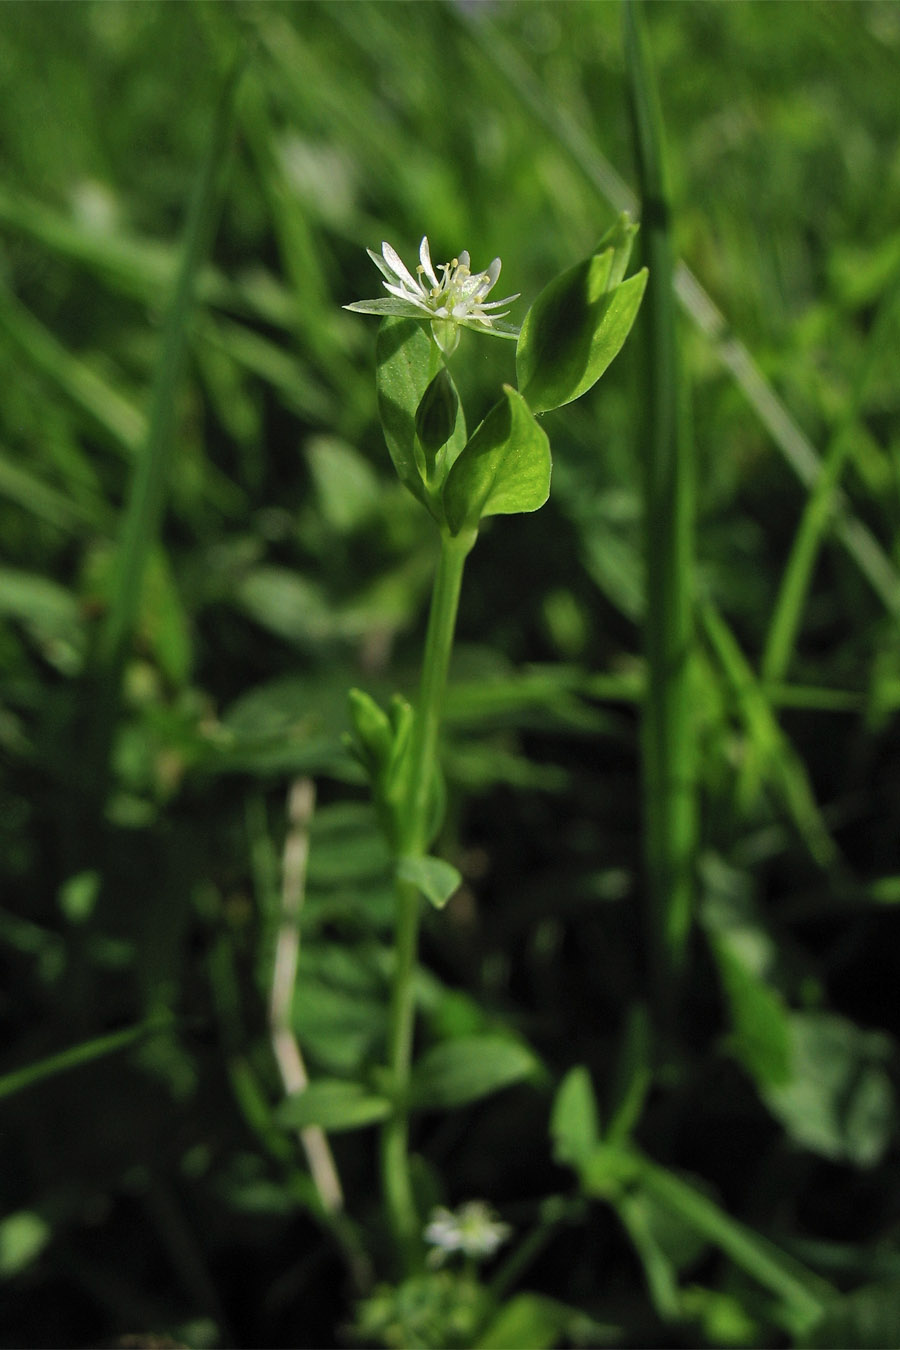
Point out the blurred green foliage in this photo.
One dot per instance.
(154, 1189)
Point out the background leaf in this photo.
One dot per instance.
(334, 1104)
(574, 1123)
(435, 878)
(838, 1100)
(869, 1318)
(463, 1070)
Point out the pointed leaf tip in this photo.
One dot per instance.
(436, 879)
(575, 328)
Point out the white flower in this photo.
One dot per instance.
(473, 1229)
(455, 299)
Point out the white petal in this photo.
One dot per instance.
(495, 304)
(403, 294)
(486, 280)
(398, 266)
(425, 260)
(463, 259)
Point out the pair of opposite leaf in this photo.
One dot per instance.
(570, 335)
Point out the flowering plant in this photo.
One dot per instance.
(570, 334)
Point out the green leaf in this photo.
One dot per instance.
(435, 878)
(534, 1322)
(575, 328)
(574, 1122)
(436, 415)
(17, 1079)
(838, 1101)
(162, 621)
(404, 355)
(396, 770)
(759, 1014)
(373, 730)
(286, 722)
(403, 358)
(347, 487)
(612, 1168)
(504, 469)
(633, 1075)
(49, 613)
(334, 1104)
(396, 308)
(339, 1007)
(23, 1236)
(456, 1072)
(639, 1219)
(78, 895)
(620, 238)
(286, 603)
(677, 1242)
(723, 1317)
(608, 1170)
(869, 1318)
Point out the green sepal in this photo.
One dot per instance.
(504, 468)
(435, 878)
(577, 325)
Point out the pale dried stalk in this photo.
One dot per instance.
(301, 803)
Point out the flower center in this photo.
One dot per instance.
(457, 288)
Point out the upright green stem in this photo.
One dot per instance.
(415, 841)
(438, 646)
